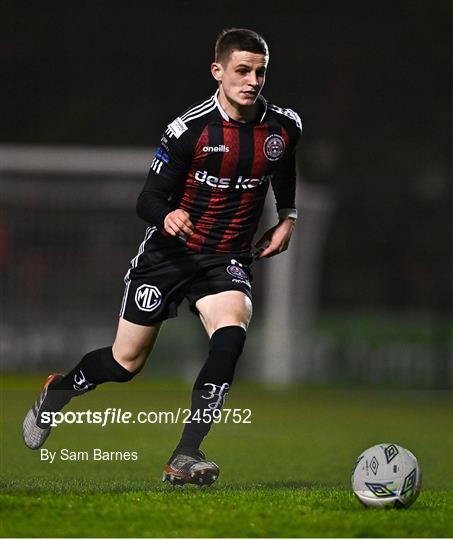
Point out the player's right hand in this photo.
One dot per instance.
(177, 223)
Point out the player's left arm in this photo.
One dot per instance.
(276, 239)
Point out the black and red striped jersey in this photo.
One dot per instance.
(219, 171)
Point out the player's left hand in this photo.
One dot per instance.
(277, 238)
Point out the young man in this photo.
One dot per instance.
(203, 199)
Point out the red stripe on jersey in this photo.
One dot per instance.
(219, 196)
(252, 200)
(260, 161)
(230, 159)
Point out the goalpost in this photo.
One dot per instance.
(291, 289)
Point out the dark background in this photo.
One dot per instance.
(372, 82)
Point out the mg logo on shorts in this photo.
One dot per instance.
(148, 297)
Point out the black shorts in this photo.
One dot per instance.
(165, 271)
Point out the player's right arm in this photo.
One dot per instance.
(168, 170)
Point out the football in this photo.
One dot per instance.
(386, 475)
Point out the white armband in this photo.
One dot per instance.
(284, 213)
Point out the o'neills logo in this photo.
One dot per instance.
(220, 148)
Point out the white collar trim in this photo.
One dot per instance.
(224, 114)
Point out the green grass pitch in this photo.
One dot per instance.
(287, 474)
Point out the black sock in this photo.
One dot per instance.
(212, 385)
(95, 368)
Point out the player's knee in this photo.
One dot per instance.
(131, 360)
(240, 318)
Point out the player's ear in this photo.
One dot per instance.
(217, 71)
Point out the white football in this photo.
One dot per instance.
(386, 475)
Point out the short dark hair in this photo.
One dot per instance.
(238, 39)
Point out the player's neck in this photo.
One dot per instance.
(237, 112)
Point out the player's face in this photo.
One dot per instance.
(242, 78)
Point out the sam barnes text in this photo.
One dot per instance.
(96, 454)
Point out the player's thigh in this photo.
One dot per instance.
(226, 308)
(133, 343)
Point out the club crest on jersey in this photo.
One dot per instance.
(148, 297)
(273, 147)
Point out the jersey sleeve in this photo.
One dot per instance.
(284, 185)
(284, 178)
(168, 170)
